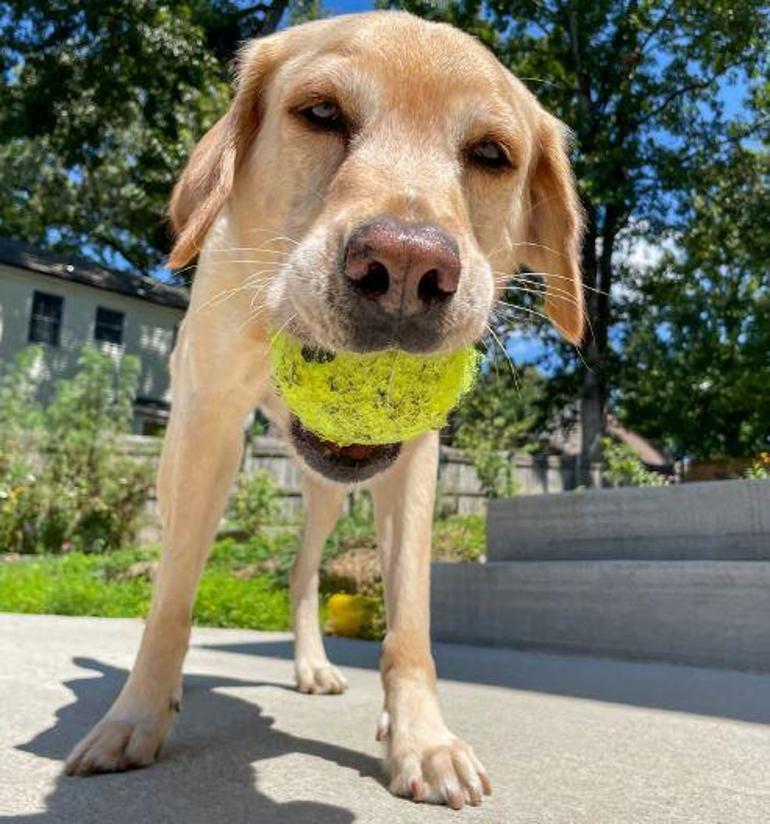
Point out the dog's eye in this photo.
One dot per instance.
(324, 115)
(491, 154)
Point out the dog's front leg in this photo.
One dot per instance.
(313, 670)
(201, 452)
(425, 760)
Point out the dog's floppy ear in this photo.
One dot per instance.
(555, 228)
(207, 180)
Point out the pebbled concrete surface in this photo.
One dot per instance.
(567, 740)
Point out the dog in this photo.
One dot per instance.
(375, 183)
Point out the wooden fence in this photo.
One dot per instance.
(459, 486)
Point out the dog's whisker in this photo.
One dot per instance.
(512, 307)
(185, 268)
(226, 294)
(539, 246)
(515, 308)
(507, 356)
(535, 288)
(280, 329)
(251, 316)
(270, 231)
(562, 294)
(505, 277)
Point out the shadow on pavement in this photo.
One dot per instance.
(209, 771)
(723, 693)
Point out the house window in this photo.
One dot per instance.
(109, 326)
(45, 321)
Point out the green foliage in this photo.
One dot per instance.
(459, 538)
(74, 584)
(354, 529)
(101, 103)
(259, 555)
(499, 416)
(255, 502)
(63, 481)
(760, 469)
(244, 584)
(107, 585)
(694, 370)
(623, 468)
(226, 601)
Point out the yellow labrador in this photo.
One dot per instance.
(375, 182)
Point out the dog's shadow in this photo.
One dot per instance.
(209, 771)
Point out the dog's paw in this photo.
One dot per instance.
(120, 741)
(319, 678)
(436, 768)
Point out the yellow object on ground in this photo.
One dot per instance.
(347, 614)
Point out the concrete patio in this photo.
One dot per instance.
(567, 740)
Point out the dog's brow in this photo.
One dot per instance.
(493, 120)
(334, 78)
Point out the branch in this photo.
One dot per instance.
(658, 25)
(757, 125)
(690, 87)
(583, 81)
(112, 243)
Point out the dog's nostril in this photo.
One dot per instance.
(429, 289)
(375, 283)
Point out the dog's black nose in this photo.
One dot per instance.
(405, 268)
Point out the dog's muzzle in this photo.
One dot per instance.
(344, 464)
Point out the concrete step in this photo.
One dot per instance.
(722, 520)
(711, 613)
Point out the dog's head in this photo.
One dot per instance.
(407, 175)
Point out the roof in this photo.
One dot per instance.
(567, 441)
(647, 452)
(24, 256)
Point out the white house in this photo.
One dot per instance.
(62, 304)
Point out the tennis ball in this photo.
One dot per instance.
(374, 398)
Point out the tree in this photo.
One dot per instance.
(100, 104)
(695, 370)
(639, 82)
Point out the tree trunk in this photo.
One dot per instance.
(597, 274)
(592, 417)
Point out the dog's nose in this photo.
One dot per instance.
(405, 268)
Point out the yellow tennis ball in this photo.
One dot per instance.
(374, 398)
(347, 614)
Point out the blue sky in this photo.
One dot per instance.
(347, 6)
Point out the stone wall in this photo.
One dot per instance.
(676, 573)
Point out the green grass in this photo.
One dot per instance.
(244, 584)
(78, 584)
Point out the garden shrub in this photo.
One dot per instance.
(623, 468)
(495, 468)
(255, 502)
(760, 468)
(64, 483)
